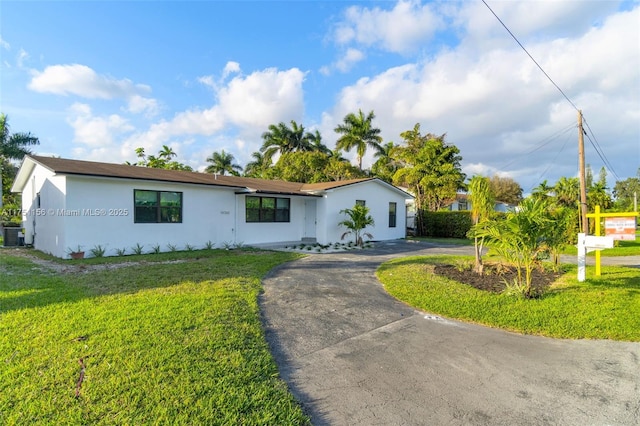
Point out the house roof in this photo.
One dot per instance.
(64, 166)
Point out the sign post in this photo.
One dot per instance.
(625, 228)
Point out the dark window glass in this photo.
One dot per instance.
(267, 209)
(157, 206)
(392, 215)
(361, 203)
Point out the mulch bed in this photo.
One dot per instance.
(495, 276)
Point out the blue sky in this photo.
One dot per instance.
(94, 80)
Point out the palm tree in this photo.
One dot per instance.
(358, 220)
(385, 166)
(14, 146)
(258, 166)
(167, 153)
(482, 205)
(316, 142)
(222, 162)
(358, 132)
(542, 191)
(282, 139)
(567, 191)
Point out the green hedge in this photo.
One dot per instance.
(447, 224)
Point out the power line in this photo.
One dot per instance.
(527, 52)
(542, 143)
(593, 141)
(599, 150)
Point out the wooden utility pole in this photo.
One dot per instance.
(583, 185)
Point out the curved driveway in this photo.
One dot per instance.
(353, 355)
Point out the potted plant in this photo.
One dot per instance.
(76, 253)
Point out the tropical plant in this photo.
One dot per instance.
(505, 189)
(222, 163)
(13, 146)
(520, 239)
(482, 206)
(98, 250)
(567, 191)
(358, 132)
(385, 166)
(430, 168)
(626, 192)
(282, 139)
(164, 160)
(358, 220)
(258, 167)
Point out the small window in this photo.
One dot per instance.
(392, 215)
(157, 206)
(267, 209)
(361, 203)
(462, 205)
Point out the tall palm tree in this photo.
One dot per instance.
(222, 162)
(358, 132)
(282, 139)
(385, 166)
(316, 142)
(257, 167)
(542, 191)
(14, 146)
(567, 191)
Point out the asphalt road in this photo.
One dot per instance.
(353, 355)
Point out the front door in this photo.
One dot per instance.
(309, 219)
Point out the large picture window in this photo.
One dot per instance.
(157, 206)
(267, 209)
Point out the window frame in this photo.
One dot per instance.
(277, 210)
(393, 215)
(160, 212)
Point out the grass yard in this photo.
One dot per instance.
(178, 341)
(605, 307)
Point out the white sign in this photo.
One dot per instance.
(620, 228)
(597, 243)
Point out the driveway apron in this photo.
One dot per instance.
(353, 355)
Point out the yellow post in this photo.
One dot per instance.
(597, 219)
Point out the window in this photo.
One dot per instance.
(267, 209)
(157, 206)
(392, 215)
(361, 203)
(462, 205)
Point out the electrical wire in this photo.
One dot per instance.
(593, 141)
(544, 142)
(527, 52)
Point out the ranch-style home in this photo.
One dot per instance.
(71, 203)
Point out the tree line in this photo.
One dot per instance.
(424, 163)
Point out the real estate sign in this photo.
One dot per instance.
(620, 228)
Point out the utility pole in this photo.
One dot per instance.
(583, 186)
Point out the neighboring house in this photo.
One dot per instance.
(462, 202)
(71, 203)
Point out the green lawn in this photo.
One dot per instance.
(179, 342)
(605, 307)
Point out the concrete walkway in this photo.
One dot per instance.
(353, 355)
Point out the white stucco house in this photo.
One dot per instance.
(70, 203)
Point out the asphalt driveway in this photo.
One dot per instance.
(353, 355)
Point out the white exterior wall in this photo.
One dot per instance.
(377, 198)
(101, 212)
(44, 229)
(272, 232)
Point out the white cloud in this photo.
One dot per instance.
(96, 132)
(497, 106)
(21, 58)
(139, 104)
(4, 44)
(245, 106)
(402, 29)
(80, 80)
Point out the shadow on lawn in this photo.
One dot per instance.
(26, 285)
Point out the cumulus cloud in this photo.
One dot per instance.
(496, 105)
(401, 29)
(245, 105)
(96, 132)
